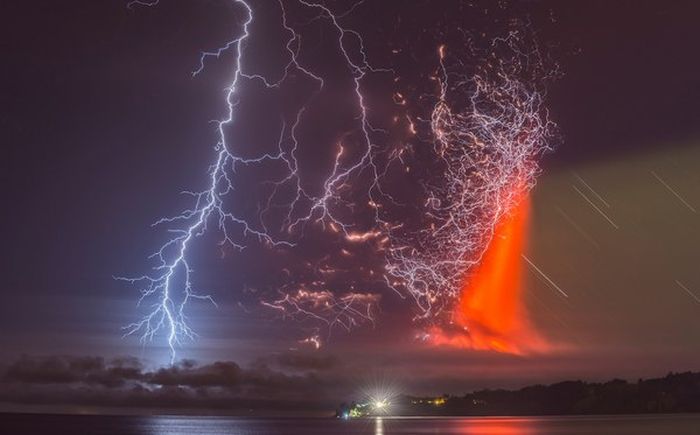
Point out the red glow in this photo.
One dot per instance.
(491, 313)
(498, 426)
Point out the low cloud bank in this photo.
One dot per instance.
(281, 384)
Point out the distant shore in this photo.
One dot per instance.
(674, 393)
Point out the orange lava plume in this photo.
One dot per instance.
(491, 313)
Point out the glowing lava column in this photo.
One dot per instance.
(491, 312)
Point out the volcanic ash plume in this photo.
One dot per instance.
(490, 313)
(488, 130)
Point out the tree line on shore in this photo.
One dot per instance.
(675, 393)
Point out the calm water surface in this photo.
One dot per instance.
(11, 424)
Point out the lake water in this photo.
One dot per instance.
(18, 424)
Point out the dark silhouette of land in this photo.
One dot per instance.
(675, 393)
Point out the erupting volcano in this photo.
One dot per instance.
(491, 312)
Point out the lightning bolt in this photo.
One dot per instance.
(168, 313)
(351, 308)
(320, 209)
(487, 158)
(169, 288)
(487, 130)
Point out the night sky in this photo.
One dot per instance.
(103, 126)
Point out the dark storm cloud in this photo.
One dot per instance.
(221, 373)
(73, 370)
(94, 381)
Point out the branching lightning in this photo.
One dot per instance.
(168, 313)
(488, 131)
(169, 288)
(346, 311)
(350, 308)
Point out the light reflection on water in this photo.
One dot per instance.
(597, 425)
(18, 424)
(379, 426)
(509, 426)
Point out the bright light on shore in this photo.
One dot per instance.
(380, 406)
